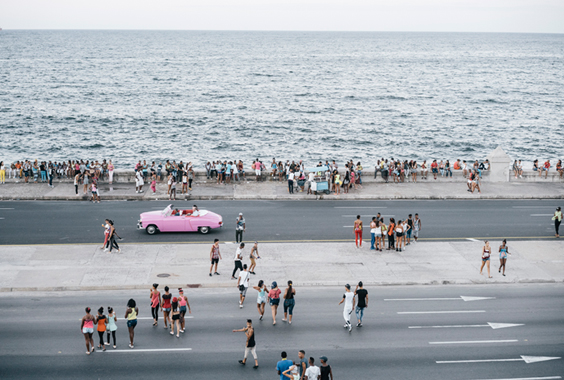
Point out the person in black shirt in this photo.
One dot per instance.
(408, 232)
(362, 303)
(251, 345)
(326, 372)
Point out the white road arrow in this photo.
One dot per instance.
(461, 298)
(526, 359)
(494, 326)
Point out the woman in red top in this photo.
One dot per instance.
(165, 306)
(274, 300)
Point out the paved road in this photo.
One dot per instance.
(79, 222)
(41, 337)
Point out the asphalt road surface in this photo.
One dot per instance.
(399, 340)
(44, 222)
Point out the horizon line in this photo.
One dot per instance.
(277, 31)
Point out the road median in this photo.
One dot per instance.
(87, 267)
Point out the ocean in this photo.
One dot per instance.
(199, 96)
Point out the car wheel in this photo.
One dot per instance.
(151, 229)
(204, 230)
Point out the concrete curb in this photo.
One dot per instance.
(304, 284)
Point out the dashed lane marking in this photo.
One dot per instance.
(442, 312)
(151, 350)
(477, 341)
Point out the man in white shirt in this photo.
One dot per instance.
(139, 182)
(348, 299)
(243, 285)
(312, 372)
(237, 260)
(291, 182)
(310, 179)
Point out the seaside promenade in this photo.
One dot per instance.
(204, 189)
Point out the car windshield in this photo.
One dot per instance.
(167, 211)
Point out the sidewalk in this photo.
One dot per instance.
(273, 190)
(86, 267)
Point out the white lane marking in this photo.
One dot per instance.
(494, 326)
(526, 359)
(442, 312)
(461, 298)
(360, 207)
(477, 341)
(6, 208)
(151, 350)
(528, 378)
(541, 214)
(473, 239)
(1, 218)
(125, 320)
(348, 226)
(554, 207)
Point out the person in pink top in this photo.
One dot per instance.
(87, 328)
(155, 303)
(111, 172)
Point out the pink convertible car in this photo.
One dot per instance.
(175, 220)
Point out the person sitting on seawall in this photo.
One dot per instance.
(456, 165)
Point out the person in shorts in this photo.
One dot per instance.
(243, 285)
(215, 256)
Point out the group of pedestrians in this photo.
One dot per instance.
(110, 237)
(397, 234)
(486, 256)
(174, 309)
(105, 325)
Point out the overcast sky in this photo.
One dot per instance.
(540, 16)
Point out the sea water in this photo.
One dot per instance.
(199, 96)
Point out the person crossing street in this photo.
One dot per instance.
(348, 299)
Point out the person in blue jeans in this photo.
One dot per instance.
(283, 365)
(362, 303)
(373, 233)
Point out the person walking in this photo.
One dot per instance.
(175, 318)
(101, 322)
(416, 226)
(87, 328)
(274, 300)
(183, 304)
(113, 235)
(172, 183)
(237, 260)
(291, 182)
(215, 256)
(155, 303)
(261, 298)
(326, 373)
(312, 372)
(348, 299)
(166, 306)
(503, 252)
(111, 326)
(289, 303)
(131, 314)
(557, 220)
(358, 232)
(240, 227)
(373, 233)
(250, 345)
(106, 235)
(486, 252)
(283, 365)
(302, 364)
(254, 256)
(243, 285)
(362, 303)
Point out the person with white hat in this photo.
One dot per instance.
(239, 228)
